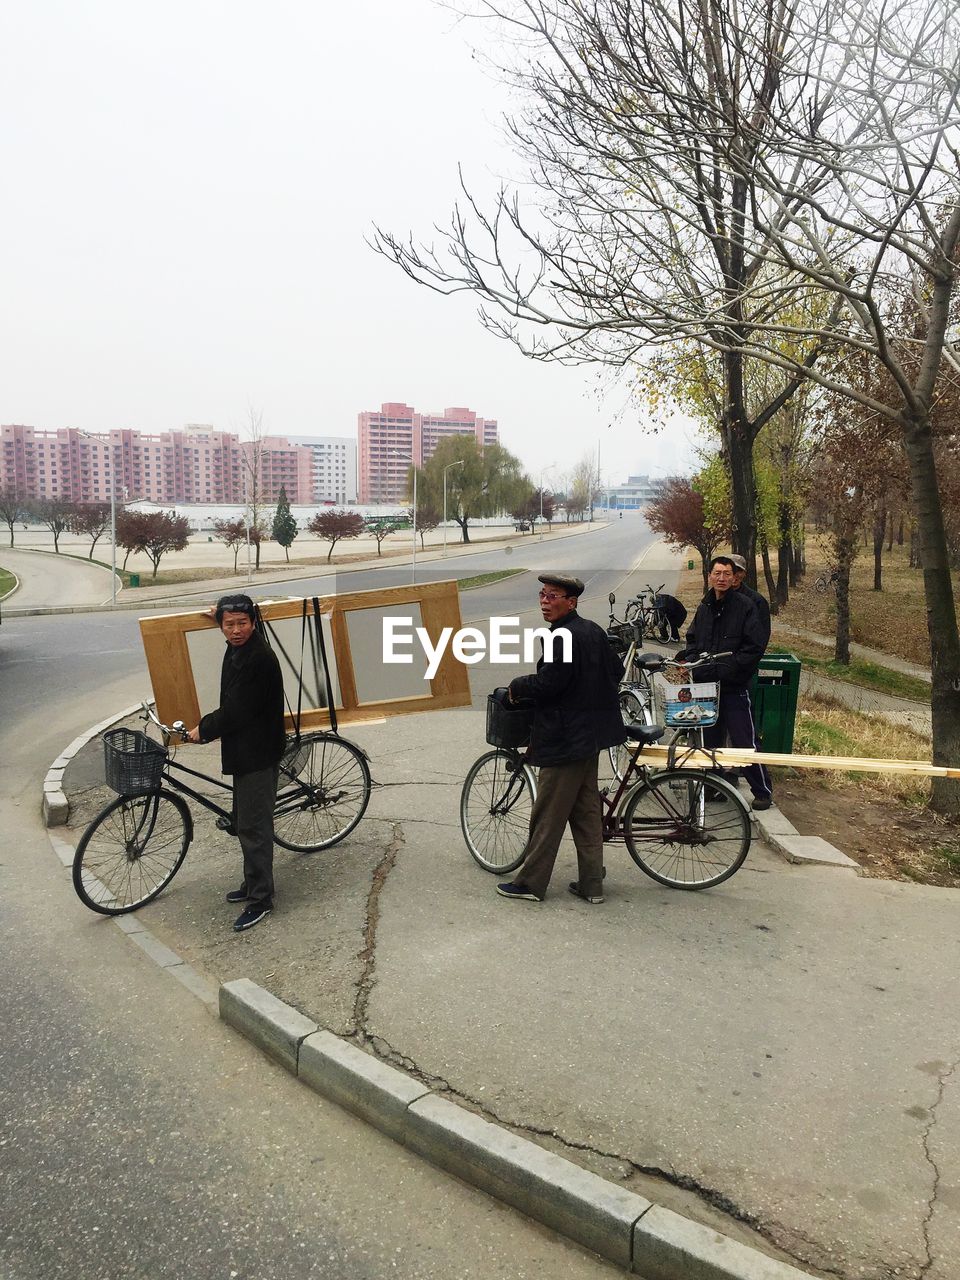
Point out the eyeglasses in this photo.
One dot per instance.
(550, 596)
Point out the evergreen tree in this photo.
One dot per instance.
(284, 526)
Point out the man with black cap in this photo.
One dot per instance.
(727, 623)
(249, 724)
(576, 716)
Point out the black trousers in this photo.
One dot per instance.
(735, 724)
(254, 797)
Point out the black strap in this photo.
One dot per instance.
(325, 666)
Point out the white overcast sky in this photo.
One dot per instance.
(188, 187)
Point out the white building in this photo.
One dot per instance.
(334, 467)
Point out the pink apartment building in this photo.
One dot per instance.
(197, 464)
(388, 441)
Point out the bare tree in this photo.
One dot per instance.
(704, 170)
(254, 497)
(56, 514)
(12, 509)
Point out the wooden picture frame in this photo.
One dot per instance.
(167, 646)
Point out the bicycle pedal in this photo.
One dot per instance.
(224, 824)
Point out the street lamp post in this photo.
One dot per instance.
(458, 463)
(543, 471)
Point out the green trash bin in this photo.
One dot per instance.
(773, 693)
(134, 579)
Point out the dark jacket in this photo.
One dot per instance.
(249, 720)
(762, 606)
(577, 703)
(728, 624)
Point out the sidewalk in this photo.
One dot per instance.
(776, 1058)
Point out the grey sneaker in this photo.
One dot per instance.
(238, 895)
(574, 887)
(509, 890)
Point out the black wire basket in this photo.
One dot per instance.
(132, 762)
(507, 726)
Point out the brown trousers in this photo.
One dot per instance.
(565, 793)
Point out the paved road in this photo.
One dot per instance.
(52, 580)
(140, 1137)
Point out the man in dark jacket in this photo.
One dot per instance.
(249, 724)
(760, 603)
(576, 716)
(727, 622)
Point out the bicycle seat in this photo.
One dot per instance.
(645, 733)
(649, 661)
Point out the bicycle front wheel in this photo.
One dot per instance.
(686, 829)
(495, 806)
(131, 851)
(323, 792)
(635, 709)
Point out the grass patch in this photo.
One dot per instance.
(829, 728)
(485, 579)
(868, 675)
(7, 582)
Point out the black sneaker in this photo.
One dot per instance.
(251, 916)
(761, 802)
(509, 890)
(238, 895)
(574, 887)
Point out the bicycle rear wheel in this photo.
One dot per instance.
(131, 851)
(686, 829)
(495, 805)
(323, 792)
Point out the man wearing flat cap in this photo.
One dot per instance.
(576, 715)
(759, 602)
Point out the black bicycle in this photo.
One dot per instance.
(136, 845)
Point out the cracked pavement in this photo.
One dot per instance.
(776, 1057)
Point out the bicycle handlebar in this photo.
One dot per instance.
(177, 730)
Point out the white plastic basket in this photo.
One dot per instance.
(685, 706)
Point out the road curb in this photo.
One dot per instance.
(629, 1230)
(55, 807)
(783, 837)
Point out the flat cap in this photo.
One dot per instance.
(572, 586)
(739, 562)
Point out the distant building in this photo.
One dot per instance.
(196, 465)
(333, 467)
(637, 492)
(390, 440)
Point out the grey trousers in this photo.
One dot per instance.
(254, 796)
(565, 793)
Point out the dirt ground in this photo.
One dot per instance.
(890, 840)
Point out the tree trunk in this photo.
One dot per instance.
(890, 534)
(738, 447)
(784, 554)
(845, 554)
(462, 522)
(941, 613)
(879, 531)
(900, 533)
(768, 577)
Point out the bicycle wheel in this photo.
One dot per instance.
(682, 837)
(495, 805)
(131, 851)
(821, 585)
(323, 792)
(662, 629)
(636, 709)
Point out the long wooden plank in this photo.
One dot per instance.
(737, 756)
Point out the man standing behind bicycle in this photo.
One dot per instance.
(760, 603)
(249, 724)
(727, 622)
(576, 715)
